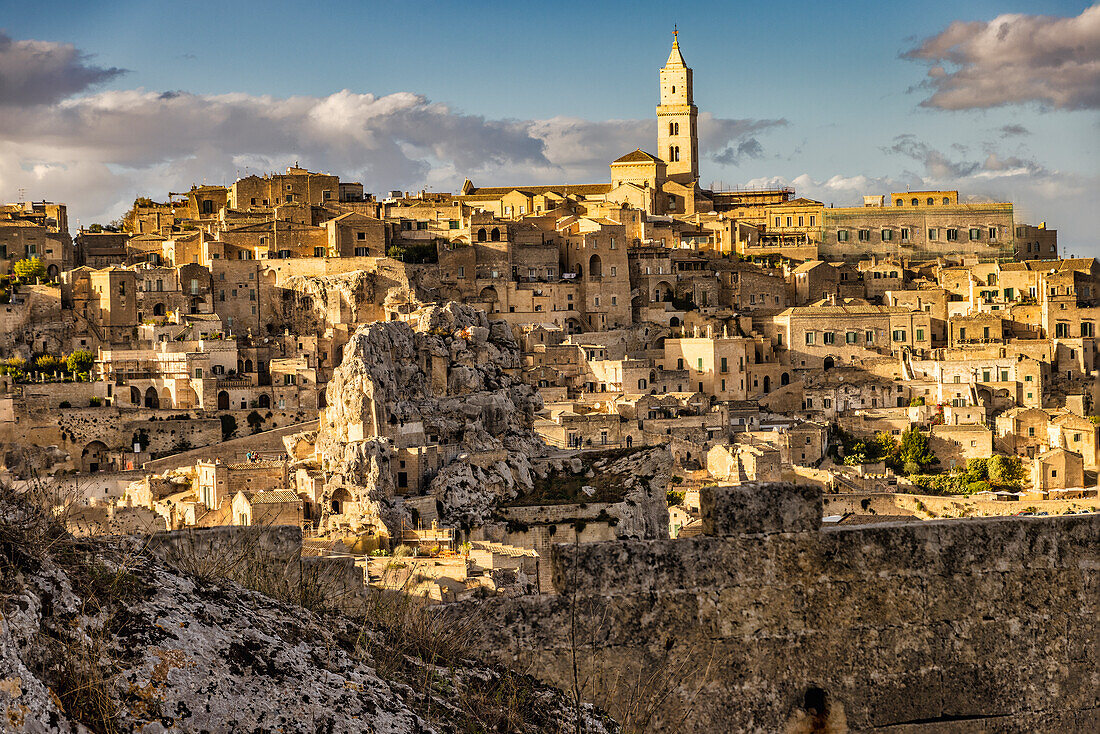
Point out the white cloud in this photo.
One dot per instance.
(1014, 59)
(100, 151)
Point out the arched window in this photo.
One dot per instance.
(671, 153)
(900, 202)
(159, 309)
(677, 153)
(915, 201)
(946, 200)
(495, 235)
(595, 267)
(481, 235)
(931, 201)
(671, 128)
(641, 384)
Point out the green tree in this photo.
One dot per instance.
(48, 364)
(255, 421)
(915, 451)
(80, 361)
(30, 269)
(1006, 471)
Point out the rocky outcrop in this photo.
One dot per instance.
(108, 637)
(447, 379)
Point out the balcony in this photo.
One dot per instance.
(233, 383)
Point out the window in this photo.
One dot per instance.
(914, 201)
(932, 234)
(975, 233)
(198, 373)
(1061, 330)
(812, 218)
(869, 337)
(788, 221)
(985, 375)
(851, 337)
(362, 252)
(318, 252)
(777, 221)
(952, 235)
(253, 201)
(864, 235)
(887, 235)
(613, 271)
(828, 403)
(899, 202)
(992, 233)
(930, 201)
(1004, 375)
(1031, 430)
(904, 234)
(724, 367)
(1087, 328)
(920, 335)
(842, 235)
(800, 221)
(899, 335)
(679, 364)
(809, 337)
(828, 337)
(946, 200)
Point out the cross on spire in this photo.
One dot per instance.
(675, 32)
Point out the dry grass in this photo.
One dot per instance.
(70, 652)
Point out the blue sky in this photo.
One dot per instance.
(818, 94)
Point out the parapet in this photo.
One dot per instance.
(760, 508)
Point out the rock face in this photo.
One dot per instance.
(447, 381)
(111, 638)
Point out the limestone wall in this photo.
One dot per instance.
(770, 623)
(267, 558)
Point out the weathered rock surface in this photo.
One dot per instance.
(110, 637)
(448, 379)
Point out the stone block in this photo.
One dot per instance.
(760, 508)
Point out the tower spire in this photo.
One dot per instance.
(675, 58)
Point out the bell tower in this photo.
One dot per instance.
(677, 138)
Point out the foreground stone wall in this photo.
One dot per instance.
(267, 558)
(770, 623)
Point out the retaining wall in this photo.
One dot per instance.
(770, 623)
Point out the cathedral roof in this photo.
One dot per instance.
(636, 156)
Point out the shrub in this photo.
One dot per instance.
(94, 402)
(414, 252)
(30, 269)
(80, 361)
(675, 497)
